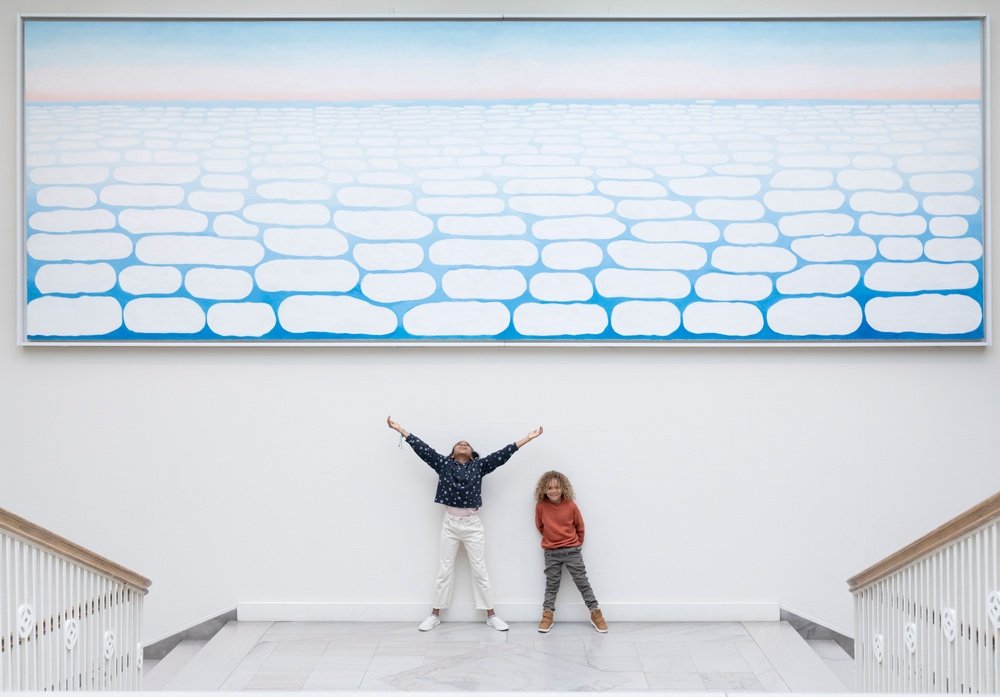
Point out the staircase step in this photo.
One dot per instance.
(167, 667)
(799, 666)
(836, 659)
(210, 668)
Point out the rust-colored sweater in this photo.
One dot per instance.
(561, 524)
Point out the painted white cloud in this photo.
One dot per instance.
(621, 283)
(149, 280)
(814, 161)
(216, 201)
(218, 284)
(631, 189)
(676, 231)
(177, 249)
(750, 233)
(882, 180)
(561, 287)
(571, 256)
(880, 202)
(585, 227)
(561, 205)
(141, 195)
(818, 316)
(226, 182)
(483, 284)
(634, 209)
(720, 187)
(467, 318)
(93, 246)
(160, 220)
(288, 213)
(300, 314)
(625, 173)
(374, 197)
(226, 225)
(394, 287)
(651, 255)
(900, 248)
(949, 226)
(753, 259)
(941, 183)
(241, 319)
(164, 316)
(920, 276)
(849, 248)
(156, 174)
(44, 176)
(643, 318)
(384, 225)
(329, 275)
(72, 220)
(391, 256)
(951, 205)
(895, 225)
(795, 201)
(75, 278)
(536, 172)
(872, 162)
(481, 225)
(680, 170)
(66, 197)
(809, 224)
(965, 249)
(725, 318)
(301, 172)
(305, 242)
(515, 187)
(293, 191)
(833, 279)
(550, 319)
(723, 209)
(83, 316)
(937, 163)
(483, 253)
(930, 313)
(444, 173)
(725, 286)
(477, 187)
(802, 179)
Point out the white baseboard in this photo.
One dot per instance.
(512, 612)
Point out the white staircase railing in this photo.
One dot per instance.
(927, 619)
(69, 619)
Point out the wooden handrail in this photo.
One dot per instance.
(957, 527)
(72, 551)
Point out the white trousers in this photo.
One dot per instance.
(467, 532)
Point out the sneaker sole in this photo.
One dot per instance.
(544, 631)
(601, 631)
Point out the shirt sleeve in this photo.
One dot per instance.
(426, 453)
(538, 519)
(578, 523)
(493, 460)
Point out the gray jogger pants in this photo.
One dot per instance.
(572, 559)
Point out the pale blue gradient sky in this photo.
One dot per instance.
(463, 60)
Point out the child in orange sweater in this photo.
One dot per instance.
(559, 520)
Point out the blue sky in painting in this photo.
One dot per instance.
(510, 59)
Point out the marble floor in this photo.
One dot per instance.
(393, 656)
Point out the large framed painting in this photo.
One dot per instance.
(502, 181)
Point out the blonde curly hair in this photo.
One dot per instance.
(543, 481)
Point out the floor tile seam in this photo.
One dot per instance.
(250, 679)
(766, 658)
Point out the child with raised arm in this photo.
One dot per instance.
(558, 519)
(459, 489)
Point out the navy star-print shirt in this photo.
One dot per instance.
(459, 485)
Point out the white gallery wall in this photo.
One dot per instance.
(721, 476)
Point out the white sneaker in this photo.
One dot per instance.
(430, 623)
(497, 623)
